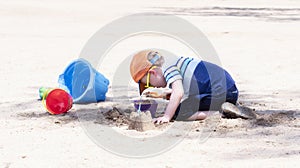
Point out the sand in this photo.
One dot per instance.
(257, 42)
(141, 121)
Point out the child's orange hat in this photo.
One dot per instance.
(140, 65)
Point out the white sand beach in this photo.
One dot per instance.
(256, 41)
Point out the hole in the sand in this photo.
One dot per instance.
(271, 118)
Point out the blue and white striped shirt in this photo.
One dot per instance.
(180, 69)
(198, 77)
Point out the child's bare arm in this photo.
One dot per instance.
(177, 93)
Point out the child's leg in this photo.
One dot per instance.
(195, 108)
(232, 95)
(200, 115)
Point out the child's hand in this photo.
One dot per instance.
(160, 120)
(163, 93)
(153, 94)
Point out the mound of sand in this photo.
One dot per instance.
(141, 121)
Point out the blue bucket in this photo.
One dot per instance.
(83, 82)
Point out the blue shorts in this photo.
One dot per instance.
(204, 102)
(209, 87)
